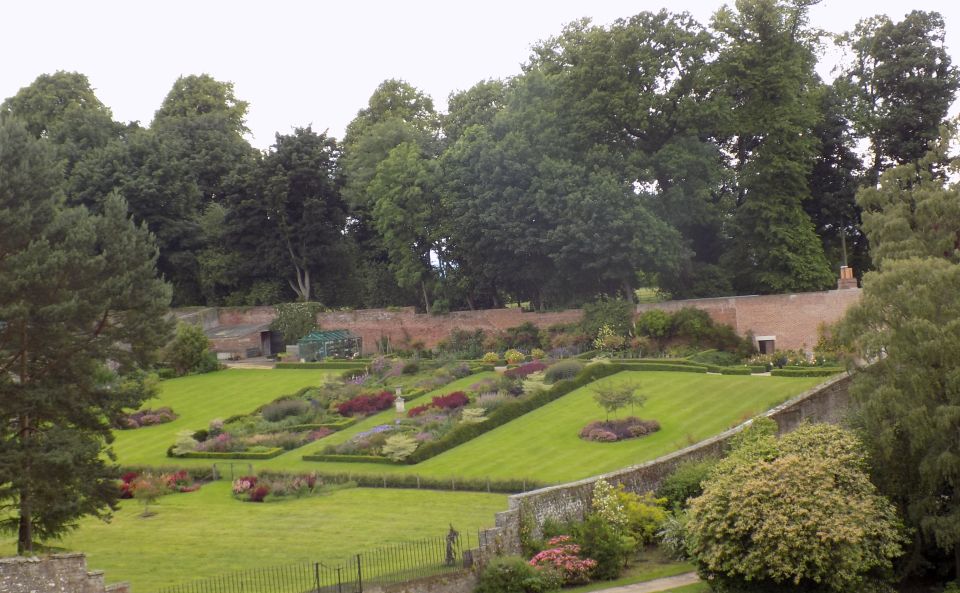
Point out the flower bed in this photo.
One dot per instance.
(258, 488)
(146, 417)
(175, 481)
(608, 431)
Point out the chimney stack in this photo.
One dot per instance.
(847, 280)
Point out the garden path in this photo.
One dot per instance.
(664, 584)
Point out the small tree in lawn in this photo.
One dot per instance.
(615, 397)
(147, 489)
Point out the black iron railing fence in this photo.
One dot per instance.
(383, 566)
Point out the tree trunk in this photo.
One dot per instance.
(426, 300)
(25, 532)
(628, 293)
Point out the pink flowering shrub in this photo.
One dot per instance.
(244, 484)
(564, 557)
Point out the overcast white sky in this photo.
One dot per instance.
(300, 62)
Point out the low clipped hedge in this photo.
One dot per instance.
(268, 454)
(736, 371)
(588, 355)
(807, 372)
(335, 425)
(332, 365)
(508, 486)
(677, 368)
(349, 458)
(758, 368)
(500, 416)
(201, 473)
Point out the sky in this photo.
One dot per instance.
(316, 63)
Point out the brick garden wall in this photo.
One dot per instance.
(794, 319)
(59, 573)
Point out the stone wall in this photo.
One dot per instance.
(460, 582)
(59, 573)
(825, 403)
(792, 319)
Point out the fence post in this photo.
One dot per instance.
(339, 580)
(316, 574)
(359, 575)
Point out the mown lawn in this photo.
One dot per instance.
(201, 398)
(544, 445)
(207, 533)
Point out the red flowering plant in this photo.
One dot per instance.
(525, 369)
(366, 403)
(564, 556)
(126, 484)
(451, 401)
(180, 481)
(244, 485)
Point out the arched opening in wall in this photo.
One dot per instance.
(766, 344)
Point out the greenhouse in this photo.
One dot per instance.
(336, 343)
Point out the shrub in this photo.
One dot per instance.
(451, 401)
(491, 358)
(563, 556)
(147, 489)
(418, 410)
(524, 336)
(513, 356)
(281, 409)
(645, 515)
(608, 340)
(366, 403)
(186, 352)
(398, 447)
(295, 320)
(410, 368)
(673, 536)
(526, 369)
(512, 574)
(565, 369)
(604, 542)
(686, 481)
(463, 343)
(654, 324)
(615, 313)
(259, 493)
(537, 354)
(473, 415)
(618, 429)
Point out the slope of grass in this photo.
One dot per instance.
(545, 443)
(207, 533)
(200, 398)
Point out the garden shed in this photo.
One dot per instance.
(334, 343)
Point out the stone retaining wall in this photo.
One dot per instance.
(825, 403)
(59, 573)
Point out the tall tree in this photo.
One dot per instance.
(899, 84)
(208, 122)
(64, 108)
(161, 189)
(292, 210)
(765, 67)
(834, 180)
(407, 213)
(77, 291)
(906, 324)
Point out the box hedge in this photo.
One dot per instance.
(806, 372)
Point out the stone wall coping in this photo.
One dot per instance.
(32, 559)
(515, 500)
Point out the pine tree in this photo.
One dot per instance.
(81, 312)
